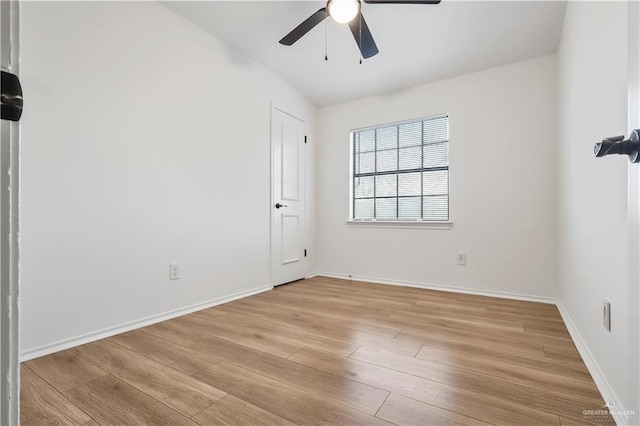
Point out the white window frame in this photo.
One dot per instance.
(394, 223)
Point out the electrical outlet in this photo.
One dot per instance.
(174, 271)
(606, 314)
(462, 259)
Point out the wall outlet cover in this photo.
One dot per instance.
(174, 271)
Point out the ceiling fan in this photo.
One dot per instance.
(347, 12)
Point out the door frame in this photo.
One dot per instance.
(10, 230)
(633, 120)
(272, 200)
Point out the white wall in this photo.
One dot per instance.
(145, 141)
(502, 185)
(593, 226)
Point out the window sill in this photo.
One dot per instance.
(414, 224)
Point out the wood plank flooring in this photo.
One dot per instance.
(325, 351)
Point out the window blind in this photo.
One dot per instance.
(401, 171)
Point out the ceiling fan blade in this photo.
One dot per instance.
(363, 36)
(305, 27)
(402, 1)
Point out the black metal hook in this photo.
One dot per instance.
(618, 145)
(11, 98)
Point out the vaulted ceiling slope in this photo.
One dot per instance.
(418, 43)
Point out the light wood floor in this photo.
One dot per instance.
(325, 351)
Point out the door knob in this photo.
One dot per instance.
(278, 205)
(618, 145)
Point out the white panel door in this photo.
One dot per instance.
(288, 252)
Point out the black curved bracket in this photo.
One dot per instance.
(11, 97)
(620, 145)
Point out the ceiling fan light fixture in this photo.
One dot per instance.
(343, 11)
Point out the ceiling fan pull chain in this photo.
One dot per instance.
(359, 49)
(326, 40)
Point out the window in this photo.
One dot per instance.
(401, 171)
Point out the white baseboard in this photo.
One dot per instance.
(608, 394)
(123, 328)
(503, 295)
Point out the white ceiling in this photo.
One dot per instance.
(418, 43)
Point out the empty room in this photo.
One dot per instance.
(343, 212)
